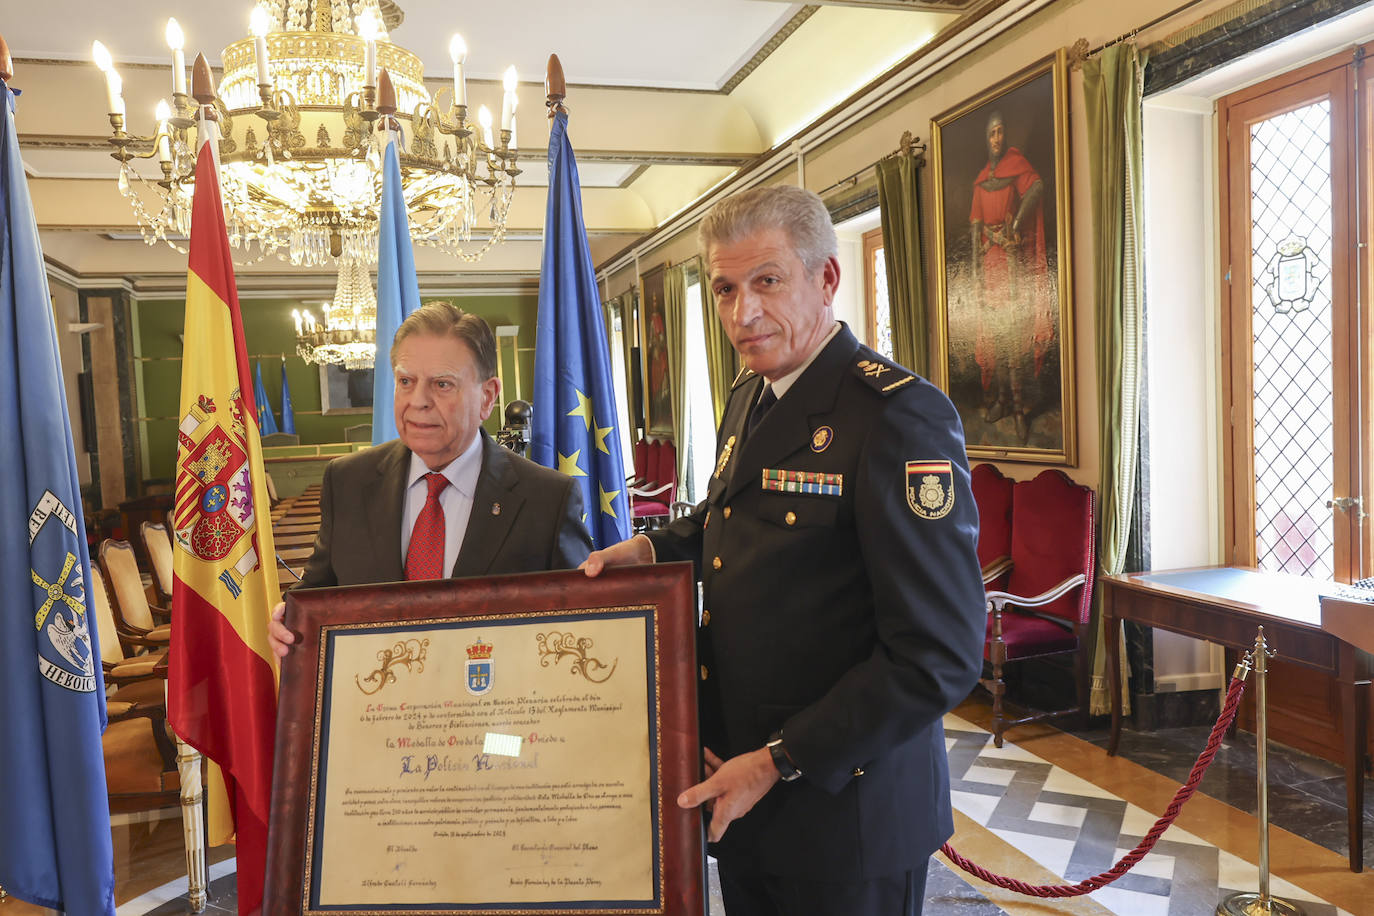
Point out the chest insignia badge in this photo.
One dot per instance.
(724, 458)
(930, 488)
(821, 438)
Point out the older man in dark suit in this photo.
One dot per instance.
(842, 612)
(443, 499)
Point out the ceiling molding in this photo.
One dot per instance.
(772, 44)
(909, 6)
(964, 37)
(101, 144)
(322, 286)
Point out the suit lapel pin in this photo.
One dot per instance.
(820, 439)
(495, 508)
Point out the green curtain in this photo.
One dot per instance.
(675, 317)
(720, 353)
(1112, 84)
(900, 209)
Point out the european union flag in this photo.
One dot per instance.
(574, 402)
(288, 413)
(398, 292)
(266, 422)
(56, 850)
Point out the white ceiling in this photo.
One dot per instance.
(666, 100)
(660, 43)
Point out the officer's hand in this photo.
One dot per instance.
(633, 552)
(735, 787)
(278, 636)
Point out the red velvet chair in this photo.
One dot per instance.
(652, 495)
(992, 492)
(1045, 607)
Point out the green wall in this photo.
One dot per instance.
(269, 332)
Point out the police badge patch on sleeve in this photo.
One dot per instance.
(930, 488)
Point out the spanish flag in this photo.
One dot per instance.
(222, 695)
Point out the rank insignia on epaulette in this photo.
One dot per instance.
(821, 439)
(930, 488)
(882, 377)
(817, 483)
(743, 376)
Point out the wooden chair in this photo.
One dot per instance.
(651, 501)
(1045, 608)
(147, 767)
(157, 544)
(134, 616)
(360, 433)
(992, 492)
(132, 677)
(276, 439)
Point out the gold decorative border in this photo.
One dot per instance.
(316, 749)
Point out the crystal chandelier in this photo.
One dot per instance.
(302, 114)
(348, 336)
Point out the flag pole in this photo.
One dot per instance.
(555, 86)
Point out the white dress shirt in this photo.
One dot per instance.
(456, 499)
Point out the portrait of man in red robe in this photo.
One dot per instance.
(1014, 290)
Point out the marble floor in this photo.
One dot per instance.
(1050, 807)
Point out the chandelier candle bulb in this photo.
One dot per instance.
(458, 51)
(176, 41)
(484, 119)
(367, 28)
(164, 134)
(259, 27)
(296, 315)
(508, 100)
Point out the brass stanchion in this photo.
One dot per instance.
(1262, 903)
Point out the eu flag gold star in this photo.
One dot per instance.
(601, 433)
(608, 501)
(568, 464)
(583, 408)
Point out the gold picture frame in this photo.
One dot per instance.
(1004, 267)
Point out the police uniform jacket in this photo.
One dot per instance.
(525, 518)
(843, 604)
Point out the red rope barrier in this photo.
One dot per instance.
(1128, 861)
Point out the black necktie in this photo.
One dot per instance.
(766, 401)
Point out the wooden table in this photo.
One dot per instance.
(1226, 605)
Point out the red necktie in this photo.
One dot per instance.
(425, 556)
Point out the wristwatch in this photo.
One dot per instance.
(787, 770)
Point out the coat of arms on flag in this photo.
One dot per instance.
(61, 618)
(214, 502)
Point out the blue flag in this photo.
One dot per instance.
(55, 850)
(288, 413)
(266, 422)
(398, 292)
(574, 402)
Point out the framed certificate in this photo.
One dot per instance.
(505, 745)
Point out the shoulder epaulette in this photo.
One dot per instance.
(882, 375)
(744, 376)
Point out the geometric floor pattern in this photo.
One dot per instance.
(1065, 824)
(1077, 830)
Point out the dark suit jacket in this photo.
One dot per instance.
(852, 620)
(525, 518)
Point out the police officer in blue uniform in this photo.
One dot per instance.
(842, 611)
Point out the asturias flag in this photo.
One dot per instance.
(55, 849)
(398, 292)
(288, 413)
(222, 697)
(574, 401)
(266, 422)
